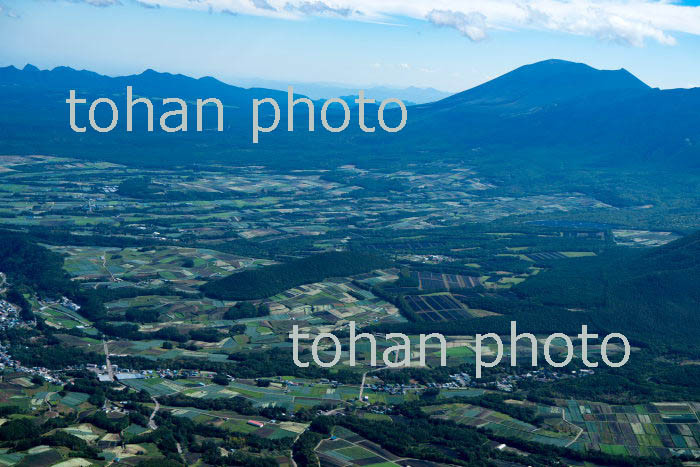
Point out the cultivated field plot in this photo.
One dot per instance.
(170, 307)
(74, 399)
(433, 281)
(159, 354)
(464, 392)
(497, 422)
(292, 398)
(276, 395)
(333, 302)
(10, 458)
(441, 307)
(551, 255)
(345, 448)
(60, 316)
(37, 456)
(85, 431)
(280, 430)
(643, 238)
(377, 277)
(19, 391)
(188, 266)
(239, 423)
(156, 386)
(546, 256)
(128, 454)
(657, 429)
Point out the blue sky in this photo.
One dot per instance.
(447, 44)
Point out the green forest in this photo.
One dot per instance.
(270, 280)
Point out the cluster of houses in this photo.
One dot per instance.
(122, 374)
(7, 362)
(9, 315)
(461, 379)
(508, 383)
(393, 389)
(9, 318)
(63, 301)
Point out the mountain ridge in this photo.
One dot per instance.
(548, 81)
(376, 92)
(552, 111)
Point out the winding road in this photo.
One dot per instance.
(151, 422)
(580, 430)
(364, 375)
(104, 265)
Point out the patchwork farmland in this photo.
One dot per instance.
(433, 281)
(498, 423)
(441, 307)
(186, 267)
(346, 448)
(655, 430)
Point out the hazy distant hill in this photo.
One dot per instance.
(553, 111)
(44, 83)
(318, 91)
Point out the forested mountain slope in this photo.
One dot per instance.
(555, 112)
(651, 294)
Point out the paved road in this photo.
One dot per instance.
(151, 423)
(580, 430)
(364, 375)
(110, 371)
(47, 397)
(104, 265)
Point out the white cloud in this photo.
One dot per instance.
(4, 11)
(147, 5)
(604, 21)
(633, 22)
(105, 3)
(471, 25)
(317, 8)
(263, 5)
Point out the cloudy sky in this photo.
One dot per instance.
(447, 44)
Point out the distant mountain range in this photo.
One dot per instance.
(553, 111)
(317, 91)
